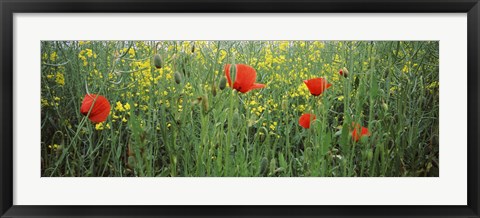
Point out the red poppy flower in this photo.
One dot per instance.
(317, 85)
(357, 128)
(100, 108)
(244, 79)
(305, 120)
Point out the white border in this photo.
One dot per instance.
(449, 189)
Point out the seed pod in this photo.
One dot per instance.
(264, 166)
(223, 83)
(284, 105)
(157, 60)
(193, 48)
(178, 77)
(205, 103)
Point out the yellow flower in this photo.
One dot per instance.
(273, 126)
(99, 126)
(284, 45)
(44, 102)
(53, 56)
(124, 120)
(89, 52)
(119, 106)
(126, 106)
(60, 79)
(54, 146)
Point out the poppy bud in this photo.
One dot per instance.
(130, 151)
(157, 60)
(369, 154)
(385, 106)
(264, 166)
(343, 72)
(197, 101)
(223, 83)
(214, 90)
(236, 120)
(178, 77)
(273, 165)
(279, 170)
(131, 162)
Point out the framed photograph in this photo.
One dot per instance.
(239, 109)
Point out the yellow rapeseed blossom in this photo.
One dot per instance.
(119, 106)
(60, 79)
(101, 126)
(432, 86)
(89, 52)
(54, 146)
(53, 56)
(44, 102)
(273, 126)
(126, 106)
(284, 45)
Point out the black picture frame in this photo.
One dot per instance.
(9, 7)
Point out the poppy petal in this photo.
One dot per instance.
(305, 120)
(317, 86)
(356, 129)
(245, 79)
(258, 86)
(365, 132)
(100, 109)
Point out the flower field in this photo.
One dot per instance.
(239, 108)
